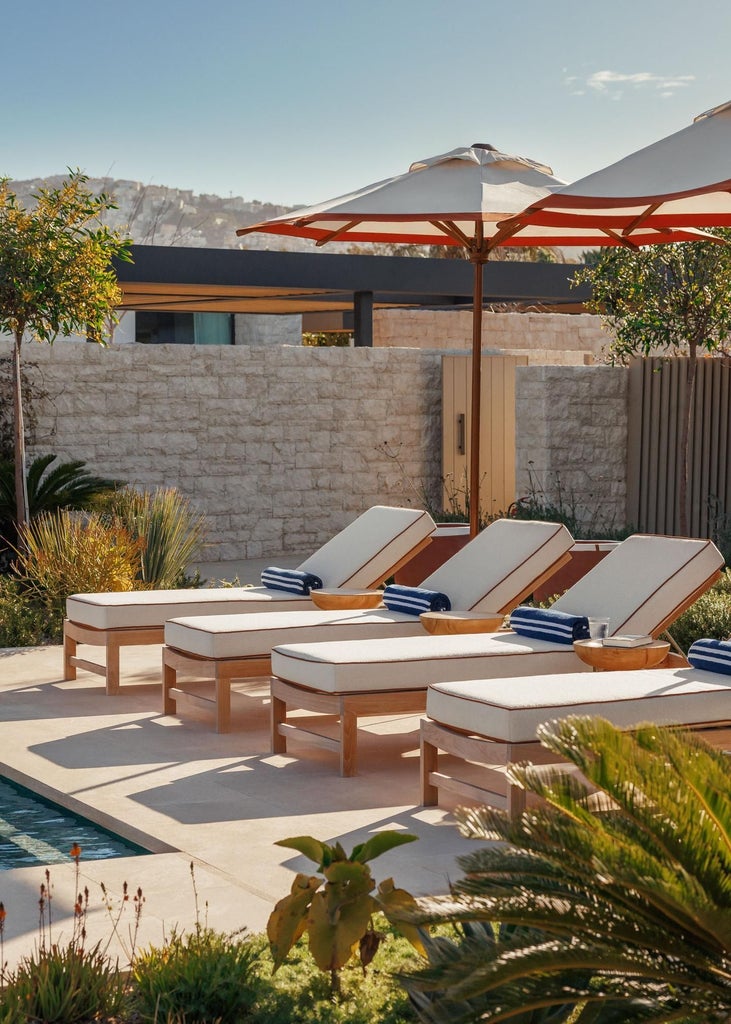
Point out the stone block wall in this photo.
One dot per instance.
(555, 336)
(571, 439)
(278, 446)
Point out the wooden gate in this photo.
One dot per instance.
(497, 431)
(654, 461)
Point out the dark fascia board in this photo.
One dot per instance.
(386, 275)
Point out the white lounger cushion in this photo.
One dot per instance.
(511, 713)
(250, 636)
(642, 581)
(411, 663)
(502, 561)
(499, 563)
(361, 555)
(638, 585)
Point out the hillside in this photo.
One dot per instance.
(159, 215)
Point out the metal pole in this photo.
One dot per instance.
(363, 319)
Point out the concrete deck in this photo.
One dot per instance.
(192, 796)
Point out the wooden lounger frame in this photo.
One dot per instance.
(111, 639)
(348, 707)
(131, 636)
(494, 756)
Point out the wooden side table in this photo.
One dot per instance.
(342, 598)
(618, 659)
(460, 622)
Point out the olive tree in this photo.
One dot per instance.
(672, 298)
(56, 277)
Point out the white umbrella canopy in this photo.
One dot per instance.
(667, 189)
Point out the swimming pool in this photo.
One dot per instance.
(35, 831)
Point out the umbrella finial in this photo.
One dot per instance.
(483, 145)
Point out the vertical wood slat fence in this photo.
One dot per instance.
(656, 393)
(497, 430)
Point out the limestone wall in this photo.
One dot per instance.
(278, 446)
(554, 337)
(571, 439)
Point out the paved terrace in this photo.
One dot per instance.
(189, 795)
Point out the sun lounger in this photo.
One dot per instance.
(362, 555)
(641, 586)
(488, 726)
(492, 573)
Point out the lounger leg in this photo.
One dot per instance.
(69, 652)
(112, 676)
(223, 704)
(516, 801)
(429, 763)
(278, 717)
(348, 743)
(169, 682)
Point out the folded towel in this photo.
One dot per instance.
(292, 580)
(711, 655)
(414, 600)
(547, 624)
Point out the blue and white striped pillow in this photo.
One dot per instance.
(414, 600)
(547, 624)
(294, 581)
(711, 655)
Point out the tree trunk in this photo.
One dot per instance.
(21, 484)
(685, 427)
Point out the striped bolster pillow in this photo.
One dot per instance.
(711, 655)
(292, 580)
(414, 600)
(547, 624)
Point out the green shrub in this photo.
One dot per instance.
(62, 553)
(199, 978)
(63, 985)
(24, 622)
(709, 616)
(171, 531)
(299, 993)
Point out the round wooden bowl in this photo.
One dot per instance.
(460, 622)
(619, 659)
(335, 600)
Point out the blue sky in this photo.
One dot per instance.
(295, 101)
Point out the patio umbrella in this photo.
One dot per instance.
(459, 198)
(679, 183)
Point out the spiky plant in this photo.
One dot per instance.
(172, 532)
(625, 878)
(65, 553)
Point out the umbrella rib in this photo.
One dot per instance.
(452, 231)
(619, 239)
(640, 220)
(334, 235)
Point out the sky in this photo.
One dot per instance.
(297, 101)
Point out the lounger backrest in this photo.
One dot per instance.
(500, 565)
(367, 551)
(644, 583)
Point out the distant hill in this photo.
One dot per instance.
(160, 215)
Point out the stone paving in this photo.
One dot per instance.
(191, 796)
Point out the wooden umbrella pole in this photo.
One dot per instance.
(474, 475)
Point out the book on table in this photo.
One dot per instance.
(627, 640)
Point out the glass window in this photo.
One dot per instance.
(160, 328)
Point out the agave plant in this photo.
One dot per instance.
(618, 888)
(67, 485)
(172, 533)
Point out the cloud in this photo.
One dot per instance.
(612, 83)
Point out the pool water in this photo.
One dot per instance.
(35, 831)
